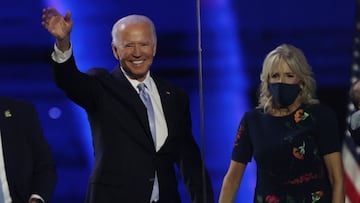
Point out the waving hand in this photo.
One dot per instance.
(59, 26)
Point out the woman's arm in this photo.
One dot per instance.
(335, 169)
(232, 182)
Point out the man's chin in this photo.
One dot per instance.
(135, 76)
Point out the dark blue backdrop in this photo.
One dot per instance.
(236, 35)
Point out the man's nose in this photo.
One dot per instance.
(136, 51)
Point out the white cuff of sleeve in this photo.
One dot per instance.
(36, 197)
(59, 56)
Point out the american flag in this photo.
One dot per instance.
(351, 152)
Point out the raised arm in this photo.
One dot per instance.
(58, 26)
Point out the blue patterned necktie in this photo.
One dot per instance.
(145, 97)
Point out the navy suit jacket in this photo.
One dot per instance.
(29, 165)
(125, 156)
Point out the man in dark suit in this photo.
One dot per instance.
(130, 165)
(27, 169)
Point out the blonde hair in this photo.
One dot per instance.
(297, 62)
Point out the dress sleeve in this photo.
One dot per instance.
(328, 134)
(242, 149)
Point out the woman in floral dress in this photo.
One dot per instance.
(292, 137)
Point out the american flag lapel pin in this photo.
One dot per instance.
(7, 113)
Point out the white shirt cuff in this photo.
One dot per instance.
(36, 197)
(59, 56)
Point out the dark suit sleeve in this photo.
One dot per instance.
(78, 86)
(44, 175)
(195, 175)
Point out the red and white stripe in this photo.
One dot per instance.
(351, 176)
(350, 152)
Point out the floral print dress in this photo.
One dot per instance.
(289, 153)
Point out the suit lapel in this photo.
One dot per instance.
(7, 125)
(126, 92)
(9, 137)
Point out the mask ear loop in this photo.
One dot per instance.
(201, 98)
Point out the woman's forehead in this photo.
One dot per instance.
(280, 65)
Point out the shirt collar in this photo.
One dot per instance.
(148, 81)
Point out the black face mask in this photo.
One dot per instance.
(284, 94)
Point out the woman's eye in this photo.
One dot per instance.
(291, 75)
(275, 75)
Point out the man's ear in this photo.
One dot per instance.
(115, 53)
(154, 51)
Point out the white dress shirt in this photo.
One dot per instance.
(3, 180)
